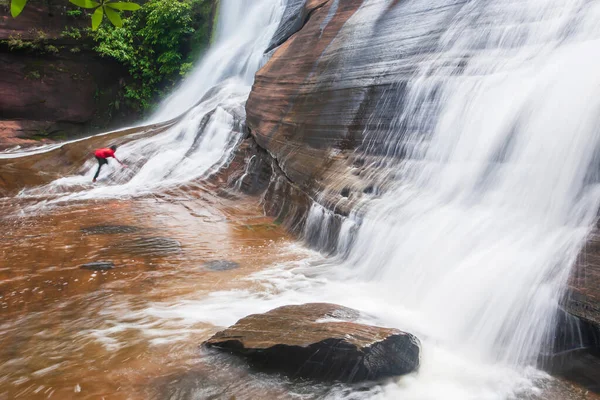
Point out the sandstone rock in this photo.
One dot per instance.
(38, 169)
(98, 266)
(328, 103)
(583, 294)
(320, 341)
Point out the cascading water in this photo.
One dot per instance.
(478, 233)
(493, 191)
(489, 214)
(210, 108)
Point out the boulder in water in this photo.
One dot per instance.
(98, 266)
(320, 341)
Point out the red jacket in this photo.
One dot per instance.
(104, 153)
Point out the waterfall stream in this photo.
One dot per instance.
(493, 192)
(209, 106)
(495, 186)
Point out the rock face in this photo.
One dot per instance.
(52, 85)
(320, 341)
(583, 295)
(340, 77)
(330, 105)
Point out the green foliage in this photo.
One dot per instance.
(16, 7)
(108, 7)
(33, 75)
(51, 49)
(38, 43)
(154, 44)
(74, 13)
(97, 17)
(71, 32)
(185, 68)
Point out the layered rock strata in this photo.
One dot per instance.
(326, 106)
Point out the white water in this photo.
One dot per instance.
(213, 98)
(472, 246)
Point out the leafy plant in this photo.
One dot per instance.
(74, 13)
(102, 7)
(51, 49)
(71, 32)
(153, 44)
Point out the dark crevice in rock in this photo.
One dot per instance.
(294, 22)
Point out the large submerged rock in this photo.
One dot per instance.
(320, 341)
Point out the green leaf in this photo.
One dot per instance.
(16, 7)
(113, 17)
(121, 6)
(85, 3)
(97, 18)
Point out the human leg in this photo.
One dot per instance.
(101, 162)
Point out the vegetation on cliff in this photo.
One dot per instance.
(157, 44)
(100, 9)
(83, 81)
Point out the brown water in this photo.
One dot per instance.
(72, 333)
(67, 332)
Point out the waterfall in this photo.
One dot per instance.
(491, 189)
(209, 105)
(487, 214)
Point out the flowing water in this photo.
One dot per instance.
(469, 248)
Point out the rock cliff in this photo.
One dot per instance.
(52, 85)
(339, 72)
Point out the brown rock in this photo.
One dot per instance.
(583, 295)
(320, 341)
(53, 86)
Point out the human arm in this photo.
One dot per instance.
(119, 161)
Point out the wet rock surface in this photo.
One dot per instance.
(98, 266)
(320, 341)
(583, 295)
(221, 265)
(109, 229)
(148, 246)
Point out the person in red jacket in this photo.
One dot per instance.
(102, 155)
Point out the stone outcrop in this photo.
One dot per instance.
(52, 84)
(342, 75)
(338, 75)
(320, 341)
